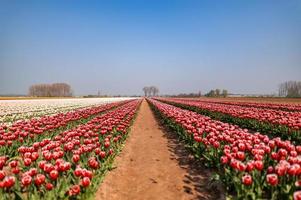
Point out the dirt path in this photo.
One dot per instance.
(153, 165)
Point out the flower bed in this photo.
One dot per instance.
(71, 164)
(251, 165)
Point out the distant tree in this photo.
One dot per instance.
(32, 91)
(145, 90)
(211, 93)
(156, 90)
(150, 91)
(290, 89)
(225, 93)
(217, 92)
(50, 90)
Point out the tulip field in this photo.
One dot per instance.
(63, 148)
(261, 117)
(14, 110)
(63, 155)
(252, 165)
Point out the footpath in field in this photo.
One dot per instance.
(154, 165)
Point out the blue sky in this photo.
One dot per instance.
(118, 47)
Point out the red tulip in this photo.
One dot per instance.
(42, 164)
(258, 165)
(270, 170)
(240, 155)
(75, 158)
(272, 179)
(247, 179)
(297, 195)
(224, 160)
(85, 182)
(280, 170)
(102, 154)
(9, 181)
(33, 171)
(13, 163)
(74, 190)
(298, 183)
(16, 170)
(53, 174)
(26, 180)
(2, 175)
(294, 170)
(92, 162)
(34, 156)
(87, 173)
(27, 162)
(39, 179)
(78, 172)
(107, 144)
(49, 186)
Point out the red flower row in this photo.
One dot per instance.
(240, 153)
(290, 119)
(72, 156)
(275, 106)
(21, 131)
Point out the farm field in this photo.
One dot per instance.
(13, 110)
(150, 100)
(251, 164)
(270, 100)
(49, 156)
(177, 149)
(278, 120)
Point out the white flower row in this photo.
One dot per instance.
(14, 110)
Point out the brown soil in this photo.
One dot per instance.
(154, 165)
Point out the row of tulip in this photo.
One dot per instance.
(251, 165)
(276, 106)
(69, 165)
(9, 119)
(26, 132)
(285, 124)
(14, 110)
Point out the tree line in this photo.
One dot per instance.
(150, 91)
(190, 95)
(290, 89)
(217, 93)
(50, 90)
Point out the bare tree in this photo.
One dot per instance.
(211, 93)
(225, 93)
(217, 92)
(50, 90)
(32, 91)
(145, 90)
(290, 89)
(150, 91)
(156, 90)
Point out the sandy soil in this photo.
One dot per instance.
(154, 165)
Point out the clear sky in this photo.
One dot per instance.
(119, 46)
